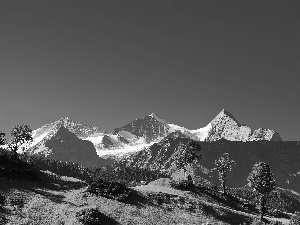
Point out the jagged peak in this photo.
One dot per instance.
(225, 113)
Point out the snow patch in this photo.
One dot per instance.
(95, 140)
(202, 133)
(124, 150)
(174, 127)
(38, 139)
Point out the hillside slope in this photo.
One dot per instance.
(283, 158)
(57, 200)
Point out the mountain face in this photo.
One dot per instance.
(225, 126)
(150, 127)
(283, 158)
(61, 140)
(63, 145)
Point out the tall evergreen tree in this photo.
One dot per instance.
(223, 165)
(262, 182)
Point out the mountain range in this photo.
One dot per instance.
(153, 142)
(148, 130)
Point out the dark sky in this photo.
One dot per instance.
(109, 62)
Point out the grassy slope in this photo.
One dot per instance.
(56, 199)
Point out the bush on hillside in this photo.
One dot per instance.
(92, 216)
(182, 185)
(295, 220)
(111, 190)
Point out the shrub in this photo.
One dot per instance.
(182, 185)
(112, 190)
(90, 216)
(295, 220)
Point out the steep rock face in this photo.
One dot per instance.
(65, 146)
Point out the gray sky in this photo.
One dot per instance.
(109, 62)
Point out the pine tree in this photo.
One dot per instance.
(223, 165)
(262, 182)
